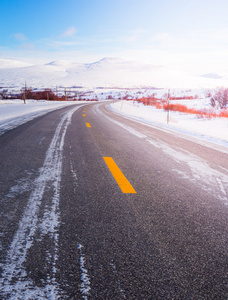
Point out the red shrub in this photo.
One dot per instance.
(223, 113)
(203, 113)
(176, 107)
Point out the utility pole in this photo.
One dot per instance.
(65, 95)
(24, 93)
(168, 108)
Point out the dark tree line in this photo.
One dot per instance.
(29, 93)
(46, 94)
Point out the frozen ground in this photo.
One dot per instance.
(212, 130)
(14, 113)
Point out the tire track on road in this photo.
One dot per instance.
(15, 280)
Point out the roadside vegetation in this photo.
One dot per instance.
(218, 101)
(45, 94)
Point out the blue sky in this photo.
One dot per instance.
(188, 34)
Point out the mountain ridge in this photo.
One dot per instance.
(110, 72)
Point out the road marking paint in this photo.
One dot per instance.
(84, 115)
(88, 125)
(122, 181)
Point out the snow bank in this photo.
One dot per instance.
(213, 130)
(16, 108)
(14, 112)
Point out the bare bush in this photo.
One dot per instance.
(4, 94)
(207, 93)
(220, 98)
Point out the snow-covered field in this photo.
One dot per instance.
(214, 130)
(108, 79)
(14, 113)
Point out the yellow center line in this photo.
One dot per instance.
(122, 181)
(84, 115)
(88, 125)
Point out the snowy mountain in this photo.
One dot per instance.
(8, 63)
(212, 75)
(106, 73)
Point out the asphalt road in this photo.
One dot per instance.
(68, 231)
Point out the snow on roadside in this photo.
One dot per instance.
(14, 112)
(213, 130)
(14, 108)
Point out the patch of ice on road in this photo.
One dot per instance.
(15, 280)
(23, 185)
(128, 128)
(85, 284)
(74, 175)
(121, 290)
(211, 179)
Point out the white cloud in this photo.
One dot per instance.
(163, 37)
(134, 35)
(27, 46)
(216, 38)
(20, 37)
(59, 44)
(69, 32)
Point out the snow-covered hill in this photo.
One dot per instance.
(9, 63)
(106, 73)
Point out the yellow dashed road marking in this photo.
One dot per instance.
(88, 125)
(122, 181)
